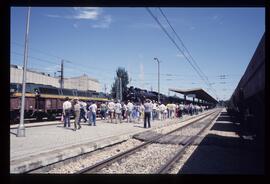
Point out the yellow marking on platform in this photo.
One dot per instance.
(59, 96)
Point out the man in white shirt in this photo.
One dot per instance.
(111, 109)
(118, 111)
(162, 109)
(66, 112)
(154, 113)
(129, 111)
(141, 109)
(93, 108)
(173, 109)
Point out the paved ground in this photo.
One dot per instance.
(47, 144)
(222, 151)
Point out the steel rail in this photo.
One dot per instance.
(109, 161)
(166, 167)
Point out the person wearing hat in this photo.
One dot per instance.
(66, 112)
(77, 110)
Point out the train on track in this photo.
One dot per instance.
(46, 101)
(247, 103)
(139, 95)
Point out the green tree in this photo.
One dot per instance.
(123, 74)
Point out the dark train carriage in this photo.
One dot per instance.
(246, 104)
(45, 100)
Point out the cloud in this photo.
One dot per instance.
(94, 14)
(54, 16)
(217, 19)
(91, 13)
(104, 23)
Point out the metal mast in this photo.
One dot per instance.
(21, 128)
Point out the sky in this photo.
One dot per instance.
(96, 41)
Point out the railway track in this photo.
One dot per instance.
(166, 167)
(96, 159)
(117, 158)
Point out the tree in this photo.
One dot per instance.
(120, 73)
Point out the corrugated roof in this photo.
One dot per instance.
(199, 92)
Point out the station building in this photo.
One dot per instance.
(81, 82)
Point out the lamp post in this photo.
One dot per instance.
(158, 79)
(21, 128)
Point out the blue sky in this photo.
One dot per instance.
(95, 41)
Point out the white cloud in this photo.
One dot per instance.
(91, 13)
(54, 16)
(88, 13)
(104, 23)
(217, 19)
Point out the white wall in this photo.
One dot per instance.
(80, 83)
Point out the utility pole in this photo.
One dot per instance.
(158, 79)
(120, 87)
(105, 88)
(62, 75)
(117, 88)
(21, 128)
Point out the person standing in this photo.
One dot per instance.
(154, 113)
(118, 111)
(77, 110)
(162, 109)
(148, 108)
(124, 110)
(103, 109)
(111, 109)
(83, 111)
(66, 111)
(141, 109)
(93, 108)
(129, 111)
(89, 113)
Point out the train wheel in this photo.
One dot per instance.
(15, 120)
(39, 117)
(51, 117)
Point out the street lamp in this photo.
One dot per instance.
(21, 128)
(158, 78)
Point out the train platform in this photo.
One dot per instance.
(223, 150)
(45, 145)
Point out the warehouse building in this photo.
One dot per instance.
(81, 83)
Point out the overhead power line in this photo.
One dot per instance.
(177, 46)
(206, 78)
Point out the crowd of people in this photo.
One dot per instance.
(118, 112)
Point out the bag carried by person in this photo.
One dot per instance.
(62, 118)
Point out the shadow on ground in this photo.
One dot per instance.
(225, 155)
